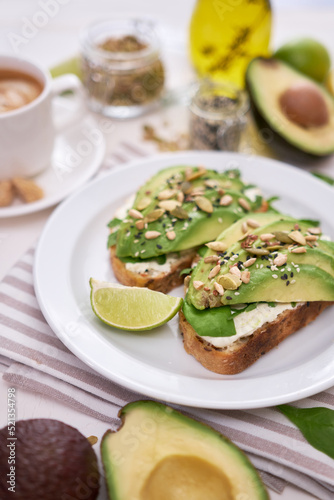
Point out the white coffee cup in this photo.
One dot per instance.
(27, 134)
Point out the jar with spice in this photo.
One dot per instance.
(122, 68)
(218, 116)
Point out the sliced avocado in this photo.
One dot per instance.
(272, 223)
(160, 454)
(308, 285)
(198, 218)
(299, 111)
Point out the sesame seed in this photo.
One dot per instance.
(275, 276)
(236, 293)
(297, 269)
(292, 282)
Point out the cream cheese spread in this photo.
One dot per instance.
(247, 322)
(152, 267)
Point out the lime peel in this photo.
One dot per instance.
(131, 308)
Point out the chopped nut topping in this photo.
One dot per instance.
(245, 277)
(219, 288)
(198, 285)
(171, 235)
(151, 235)
(280, 260)
(226, 200)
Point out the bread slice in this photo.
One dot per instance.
(161, 282)
(245, 351)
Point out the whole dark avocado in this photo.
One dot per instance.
(298, 111)
(47, 459)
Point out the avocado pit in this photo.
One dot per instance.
(303, 104)
(180, 477)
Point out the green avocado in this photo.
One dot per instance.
(180, 208)
(299, 111)
(234, 239)
(160, 454)
(308, 285)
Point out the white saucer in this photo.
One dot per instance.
(78, 153)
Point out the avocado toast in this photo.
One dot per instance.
(252, 290)
(173, 214)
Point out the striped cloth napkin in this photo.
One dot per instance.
(32, 358)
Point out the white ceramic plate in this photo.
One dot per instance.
(78, 153)
(155, 363)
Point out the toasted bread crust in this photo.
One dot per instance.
(244, 352)
(163, 282)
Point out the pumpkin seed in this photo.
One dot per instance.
(192, 175)
(257, 251)
(186, 187)
(143, 203)
(179, 213)
(297, 237)
(229, 281)
(282, 236)
(204, 204)
(154, 215)
(169, 205)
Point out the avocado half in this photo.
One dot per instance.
(160, 454)
(298, 111)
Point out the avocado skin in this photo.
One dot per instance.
(53, 461)
(284, 149)
(152, 419)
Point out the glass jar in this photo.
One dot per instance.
(218, 116)
(122, 70)
(226, 34)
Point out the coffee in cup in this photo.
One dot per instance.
(17, 89)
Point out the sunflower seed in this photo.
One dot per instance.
(211, 258)
(192, 175)
(140, 224)
(266, 236)
(235, 270)
(314, 230)
(226, 200)
(299, 250)
(166, 194)
(180, 196)
(244, 204)
(311, 237)
(135, 214)
(244, 227)
(249, 262)
(211, 183)
(217, 246)
(214, 271)
(151, 235)
(253, 223)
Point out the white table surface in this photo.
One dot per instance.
(57, 40)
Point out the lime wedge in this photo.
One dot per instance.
(131, 308)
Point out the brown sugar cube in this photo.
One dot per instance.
(27, 190)
(6, 193)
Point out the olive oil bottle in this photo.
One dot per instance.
(226, 34)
